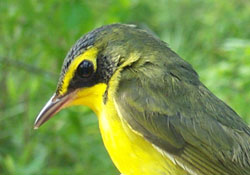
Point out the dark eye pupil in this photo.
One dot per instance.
(85, 69)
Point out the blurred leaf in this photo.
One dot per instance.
(9, 164)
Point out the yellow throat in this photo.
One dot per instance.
(130, 152)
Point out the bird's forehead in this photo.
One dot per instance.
(95, 39)
(80, 46)
(83, 44)
(88, 40)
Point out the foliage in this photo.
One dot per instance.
(35, 36)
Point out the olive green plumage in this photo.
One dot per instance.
(161, 97)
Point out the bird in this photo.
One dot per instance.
(155, 115)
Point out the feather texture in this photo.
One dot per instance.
(180, 116)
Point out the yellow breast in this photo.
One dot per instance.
(130, 152)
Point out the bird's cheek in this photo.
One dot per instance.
(90, 96)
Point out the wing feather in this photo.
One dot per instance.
(179, 115)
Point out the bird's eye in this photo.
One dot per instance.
(85, 69)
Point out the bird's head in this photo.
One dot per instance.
(90, 65)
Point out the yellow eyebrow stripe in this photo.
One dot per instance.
(90, 54)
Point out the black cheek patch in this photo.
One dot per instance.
(79, 82)
(105, 69)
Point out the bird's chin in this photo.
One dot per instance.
(53, 106)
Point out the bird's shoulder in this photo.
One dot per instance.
(171, 108)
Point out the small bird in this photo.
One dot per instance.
(155, 116)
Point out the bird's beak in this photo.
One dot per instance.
(54, 105)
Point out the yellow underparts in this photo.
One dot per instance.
(129, 151)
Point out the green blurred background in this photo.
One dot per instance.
(214, 36)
